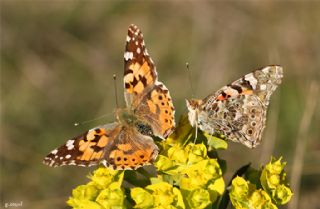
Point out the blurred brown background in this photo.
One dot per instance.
(57, 62)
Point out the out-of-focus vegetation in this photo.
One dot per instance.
(57, 61)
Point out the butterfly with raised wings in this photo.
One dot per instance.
(238, 110)
(126, 143)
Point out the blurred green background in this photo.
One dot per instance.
(58, 58)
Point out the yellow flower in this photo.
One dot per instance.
(199, 198)
(163, 163)
(83, 195)
(111, 197)
(282, 194)
(216, 188)
(178, 154)
(142, 198)
(102, 177)
(239, 188)
(203, 171)
(104, 191)
(244, 195)
(158, 195)
(273, 180)
(196, 152)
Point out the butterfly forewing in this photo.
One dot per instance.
(85, 150)
(149, 98)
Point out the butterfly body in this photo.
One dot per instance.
(126, 143)
(238, 110)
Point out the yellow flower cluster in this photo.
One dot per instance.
(102, 192)
(190, 169)
(273, 179)
(159, 195)
(244, 194)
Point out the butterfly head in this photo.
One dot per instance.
(193, 106)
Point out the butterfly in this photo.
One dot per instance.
(238, 110)
(126, 143)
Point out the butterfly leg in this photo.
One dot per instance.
(196, 134)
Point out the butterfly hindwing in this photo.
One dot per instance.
(130, 150)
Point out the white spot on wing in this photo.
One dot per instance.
(138, 50)
(51, 163)
(128, 55)
(263, 87)
(266, 70)
(70, 144)
(128, 38)
(68, 156)
(252, 80)
(54, 151)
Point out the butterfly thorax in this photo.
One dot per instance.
(128, 118)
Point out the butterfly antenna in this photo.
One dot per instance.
(105, 115)
(190, 80)
(192, 95)
(115, 89)
(94, 119)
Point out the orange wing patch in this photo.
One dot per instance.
(126, 157)
(161, 103)
(138, 77)
(92, 145)
(86, 149)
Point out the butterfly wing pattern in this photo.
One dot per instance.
(127, 143)
(238, 110)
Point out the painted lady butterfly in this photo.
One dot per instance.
(126, 143)
(238, 110)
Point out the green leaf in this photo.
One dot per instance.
(215, 142)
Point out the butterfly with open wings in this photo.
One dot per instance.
(126, 143)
